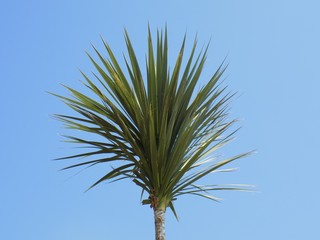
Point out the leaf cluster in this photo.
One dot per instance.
(160, 131)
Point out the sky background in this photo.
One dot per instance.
(273, 50)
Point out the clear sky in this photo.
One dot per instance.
(273, 51)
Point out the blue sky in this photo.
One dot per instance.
(273, 50)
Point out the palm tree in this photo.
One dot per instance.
(160, 131)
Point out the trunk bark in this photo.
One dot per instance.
(159, 221)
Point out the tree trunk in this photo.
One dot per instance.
(159, 221)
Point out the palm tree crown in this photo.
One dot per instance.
(160, 131)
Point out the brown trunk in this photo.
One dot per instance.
(159, 221)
